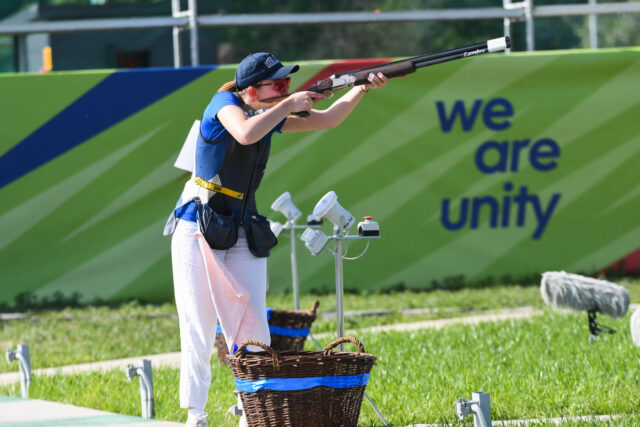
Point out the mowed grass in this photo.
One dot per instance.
(92, 334)
(542, 367)
(539, 367)
(72, 336)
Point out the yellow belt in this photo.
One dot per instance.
(217, 188)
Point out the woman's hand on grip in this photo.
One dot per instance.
(303, 101)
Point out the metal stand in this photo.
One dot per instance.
(294, 262)
(480, 407)
(146, 386)
(338, 236)
(594, 328)
(292, 227)
(236, 410)
(24, 364)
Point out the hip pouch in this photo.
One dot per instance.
(220, 231)
(260, 238)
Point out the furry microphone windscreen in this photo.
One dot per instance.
(580, 293)
(635, 327)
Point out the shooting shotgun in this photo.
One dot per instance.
(392, 69)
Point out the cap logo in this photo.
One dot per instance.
(271, 61)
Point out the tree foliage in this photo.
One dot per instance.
(297, 42)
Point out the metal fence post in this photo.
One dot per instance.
(24, 364)
(506, 22)
(479, 406)
(593, 27)
(193, 29)
(192, 22)
(484, 402)
(146, 386)
(177, 54)
(528, 18)
(527, 8)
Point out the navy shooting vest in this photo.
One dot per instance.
(240, 170)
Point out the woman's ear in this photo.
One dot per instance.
(251, 91)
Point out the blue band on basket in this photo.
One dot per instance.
(289, 332)
(218, 328)
(289, 384)
(269, 310)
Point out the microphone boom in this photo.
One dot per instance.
(580, 293)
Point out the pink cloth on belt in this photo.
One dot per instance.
(230, 298)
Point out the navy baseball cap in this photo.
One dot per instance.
(261, 66)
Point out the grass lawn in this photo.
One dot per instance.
(539, 367)
(102, 333)
(92, 334)
(542, 367)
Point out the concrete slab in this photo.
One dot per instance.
(17, 412)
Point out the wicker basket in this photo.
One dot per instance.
(307, 390)
(221, 345)
(289, 330)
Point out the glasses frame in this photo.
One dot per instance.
(282, 83)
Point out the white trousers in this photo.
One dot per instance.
(196, 312)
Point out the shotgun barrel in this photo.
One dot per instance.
(408, 66)
(390, 70)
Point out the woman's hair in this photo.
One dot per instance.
(229, 86)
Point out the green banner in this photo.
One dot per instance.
(493, 168)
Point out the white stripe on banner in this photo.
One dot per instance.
(592, 262)
(106, 274)
(157, 178)
(626, 198)
(13, 223)
(285, 155)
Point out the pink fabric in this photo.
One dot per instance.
(230, 298)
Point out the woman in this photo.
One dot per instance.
(222, 275)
